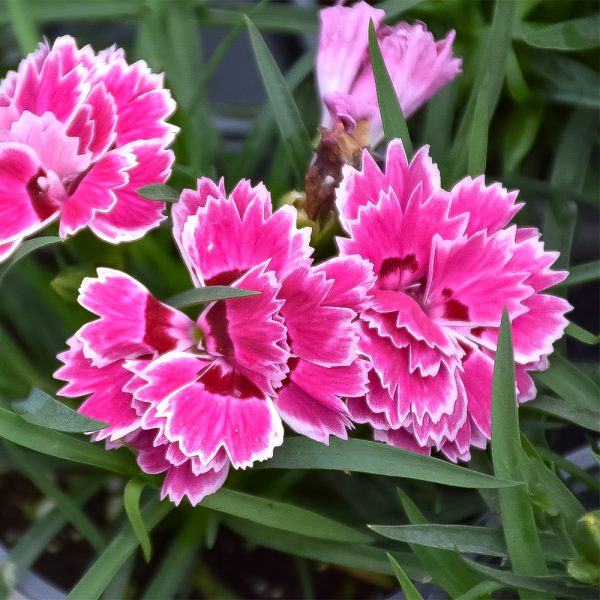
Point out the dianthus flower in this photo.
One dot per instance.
(418, 66)
(446, 264)
(194, 396)
(79, 133)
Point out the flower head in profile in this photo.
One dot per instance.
(79, 133)
(446, 264)
(418, 66)
(195, 396)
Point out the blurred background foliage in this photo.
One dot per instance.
(538, 64)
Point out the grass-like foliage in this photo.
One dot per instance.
(518, 517)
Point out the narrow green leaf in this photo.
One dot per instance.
(14, 429)
(565, 465)
(69, 508)
(408, 588)
(372, 457)
(210, 293)
(360, 556)
(583, 274)
(123, 545)
(158, 191)
(257, 141)
(478, 139)
(571, 163)
(394, 124)
(520, 134)
(548, 585)
(131, 500)
(492, 64)
(520, 531)
(481, 590)
(291, 127)
(171, 575)
(582, 335)
(26, 30)
(394, 8)
(558, 407)
(576, 34)
(465, 538)
(445, 567)
(568, 505)
(45, 411)
(283, 516)
(24, 249)
(570, 383)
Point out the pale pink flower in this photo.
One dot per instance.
(79, 133)
(194, 396)
(418, 65)
(446, 263)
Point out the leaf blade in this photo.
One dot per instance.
(159, 192)
(372, 457)
(42, 409)
(207, 294)
(291, 126)
(131, 500)
(26, 248)
(394, 124)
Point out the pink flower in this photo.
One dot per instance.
(79, 134)
(446, 265)
(193, 396)
(418, 66)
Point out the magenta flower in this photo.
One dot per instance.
(192, 397)
(418, 65)
(79, 134)
(446, 266)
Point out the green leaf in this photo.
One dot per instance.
(582, 335)
(283, 516)
(570, 383)
(520, 531)
(158, 191)
(394, 124)
(372, 457)
(577, 34)
(172, 573)
(43, 410)
(558, 407)
(492, 64)
(14, 429)
(394, 8)
(25, 27)
(481, 590)
(520, 134)
(582, 274)
(360, 556)
(291, 127)
(568, 505)
(445, 567)
(409, 590)
(123, 545)
(478, 140)
(66, 283)
(465, 538)
(210, 293)
(69, 508)
(24, 249)
(569, 467)
(131, 500)
(549, 585)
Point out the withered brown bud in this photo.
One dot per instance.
(336, 149)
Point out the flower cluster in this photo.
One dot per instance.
(79, 134)
(399, 330)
